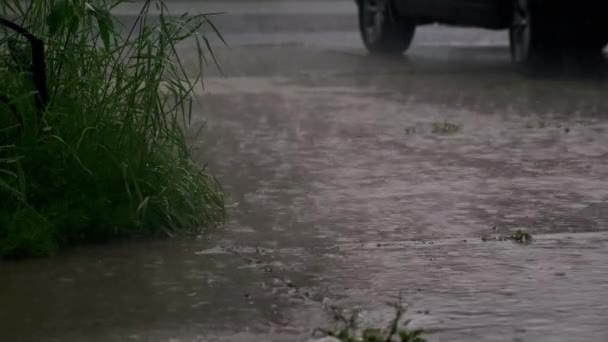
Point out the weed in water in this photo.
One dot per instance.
(445, 128)
(106, 157)
(521, 236)
(518, 236)
(348, 330)
(410, 130)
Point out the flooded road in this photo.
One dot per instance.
(353, 179)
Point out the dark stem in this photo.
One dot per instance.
(38, 67)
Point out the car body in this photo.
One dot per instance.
(537, 27)
(492, 14)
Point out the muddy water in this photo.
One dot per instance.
(354, 179)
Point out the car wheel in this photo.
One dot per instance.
(382, 29)
(528, 41)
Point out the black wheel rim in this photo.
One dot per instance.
(373, 18)
(521, 32)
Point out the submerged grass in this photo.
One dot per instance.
(107, 157)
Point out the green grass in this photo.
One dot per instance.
(107, 157)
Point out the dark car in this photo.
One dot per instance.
(538, 28)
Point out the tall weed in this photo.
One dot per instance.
(106, 157)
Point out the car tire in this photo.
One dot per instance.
(530, 38)
(383, 30)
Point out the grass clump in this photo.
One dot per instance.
(521, 236)
(348, 330)
(445, 127)
(105, 156)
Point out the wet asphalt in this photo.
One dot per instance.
(354, 179)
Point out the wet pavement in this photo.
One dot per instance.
(354, 179)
